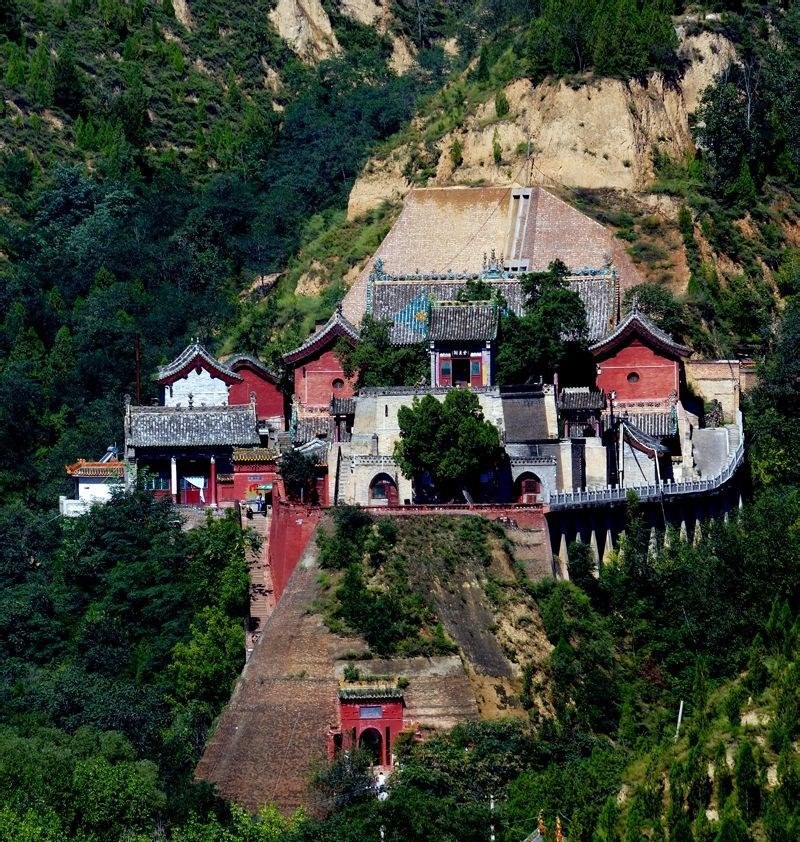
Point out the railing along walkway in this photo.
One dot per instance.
(600, 496)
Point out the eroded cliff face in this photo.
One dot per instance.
(306, 28)
(597, 134)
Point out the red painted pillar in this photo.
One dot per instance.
(212, 481)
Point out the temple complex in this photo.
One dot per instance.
(647, 416)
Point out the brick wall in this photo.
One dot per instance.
(291, 530)
(269, 399)
(658, 375)
(313, 380)
(271, 736)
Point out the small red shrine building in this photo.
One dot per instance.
(639, 362)
(370, 718)
(318, 372)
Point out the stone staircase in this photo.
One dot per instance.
(262, 597)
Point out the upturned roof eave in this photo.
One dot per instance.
(187, 360)
(337, 327)
(637, 324)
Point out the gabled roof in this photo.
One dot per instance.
(207, 426)
(82, 468)
(239, 361)
(581, 397)
(405, 300)
(335, 328)
(192, 356)
(342, 406)
(362, 694)
(637, 324)
(254, 454)
(463, 322)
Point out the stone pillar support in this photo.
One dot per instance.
(173, 479)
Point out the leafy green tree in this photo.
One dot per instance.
(450, 441)
(375, 361)
(206, 667)
(41, 76)
(298, 472)
(69, 83)
(115, 798)
(748, 791)
(554, 323)
(501, 104)
(659, 305)
(456, 153)
(10, 20)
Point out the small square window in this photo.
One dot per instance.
(475, 368)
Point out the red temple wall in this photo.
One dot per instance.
(269, 399)
(313, 380)
(658, 374)
(290, 531)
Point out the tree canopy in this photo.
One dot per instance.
(447, 442)
(553, 324)
(377, 362)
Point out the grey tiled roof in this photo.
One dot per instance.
(599, 296)
(186, 356)
(638, 436)
(336, 326)
(169, 426)
(237, 360)
(654, 423)
(581, 397)
(524, 417)
(343, 406)
(404, 300)
(309, 429)
(636, 322)
(467, 322)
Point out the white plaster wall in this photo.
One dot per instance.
(550, 411)
(203, 387)
(378, 414)
(94, 489)
(356, 472)
(546, 472)
(596, 463)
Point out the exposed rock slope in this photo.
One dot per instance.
(592, 133)
(306, 28)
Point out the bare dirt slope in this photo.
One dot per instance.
(272, 734)
(590, 133)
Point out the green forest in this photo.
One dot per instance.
(154, 177)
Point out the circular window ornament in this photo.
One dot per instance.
(338, 384)
(633, 377)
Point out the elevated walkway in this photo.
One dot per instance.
(718, 455)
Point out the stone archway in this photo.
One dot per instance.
(527, 488)
(372, 742)
(383, 491)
